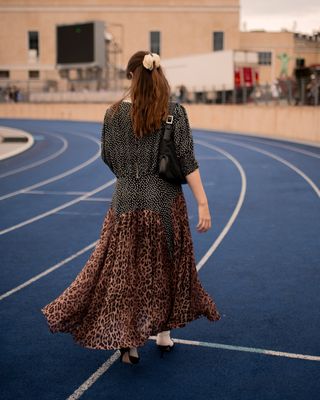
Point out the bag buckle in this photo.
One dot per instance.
(169, 119)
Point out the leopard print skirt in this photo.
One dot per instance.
(131, 288)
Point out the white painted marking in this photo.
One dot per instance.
(280, 159)
(42, 161)
(42, 192)
(78, 213)
(98, 199)
(95, 376)
(18, 149)
(48, 271)
(54, 192)
(211, 158)
(284, 146)
(247, 349)
(236, 211)
(59, 176)
(258, 136)
(54, 210)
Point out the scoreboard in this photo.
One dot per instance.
(80, 45)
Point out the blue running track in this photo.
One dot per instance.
(260, 261)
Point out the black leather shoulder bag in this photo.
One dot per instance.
(169, 166)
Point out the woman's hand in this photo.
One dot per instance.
(204, 217)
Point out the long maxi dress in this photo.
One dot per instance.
(141, 277)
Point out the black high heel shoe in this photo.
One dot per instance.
(133, 359)
(165, 348)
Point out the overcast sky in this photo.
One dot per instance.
(272, 15)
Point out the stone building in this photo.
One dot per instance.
(171, 28)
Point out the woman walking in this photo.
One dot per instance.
(141, 279)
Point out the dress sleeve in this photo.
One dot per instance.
(183, 141)
(106, 142)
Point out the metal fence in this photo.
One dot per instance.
(281, 92)
(284, 92)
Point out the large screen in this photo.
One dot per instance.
(75, 43)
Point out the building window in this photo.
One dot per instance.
(34, 74)
(217, 41)
(4, 74)
(34, 41)
(155, 42)
(264, 57)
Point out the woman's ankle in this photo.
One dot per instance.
(163, 338)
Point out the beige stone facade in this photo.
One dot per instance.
(186, 27)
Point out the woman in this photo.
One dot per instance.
(141, 278)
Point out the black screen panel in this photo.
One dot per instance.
(75, 44)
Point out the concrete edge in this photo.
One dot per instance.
(19, 148)
(258, 135)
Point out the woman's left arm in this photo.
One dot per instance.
(105, 142)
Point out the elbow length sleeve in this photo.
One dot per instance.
(183, 141)
(106, 143)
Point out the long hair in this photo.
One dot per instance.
(150, 94)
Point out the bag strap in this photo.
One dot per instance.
(169, 121)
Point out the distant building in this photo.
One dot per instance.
(28, 30)
(28, 35)
(278, 49)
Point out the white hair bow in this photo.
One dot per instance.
(149, 59)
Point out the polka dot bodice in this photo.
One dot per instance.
(134, 161)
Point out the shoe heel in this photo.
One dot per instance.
(133, 359)
(164, 349)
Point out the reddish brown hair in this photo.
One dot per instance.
(150, 95)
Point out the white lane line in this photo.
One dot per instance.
(236, 211)
(43, 192)
(247, 349)
(47, 271)
(211, 158)
(78, 213)
(60, 176)
(61, 207)
(63, 193)
(258, 136)
(95, 376)
(43, 160)
(284, 146)
(272, 155)
(205, 258)
(98, 199)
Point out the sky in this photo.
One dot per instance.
(301, 16)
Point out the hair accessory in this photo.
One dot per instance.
(149, 59)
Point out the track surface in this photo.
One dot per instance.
(260, 261)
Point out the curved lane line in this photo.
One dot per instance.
(199, 265)
(271, 155)
(43, 160)
(236, 211)
(280, 145)
(48, 271)
(276, 138)
(60, 176)
(247, 349)
(61, 207)
(285, 146)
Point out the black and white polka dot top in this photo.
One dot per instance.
(134, 161)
